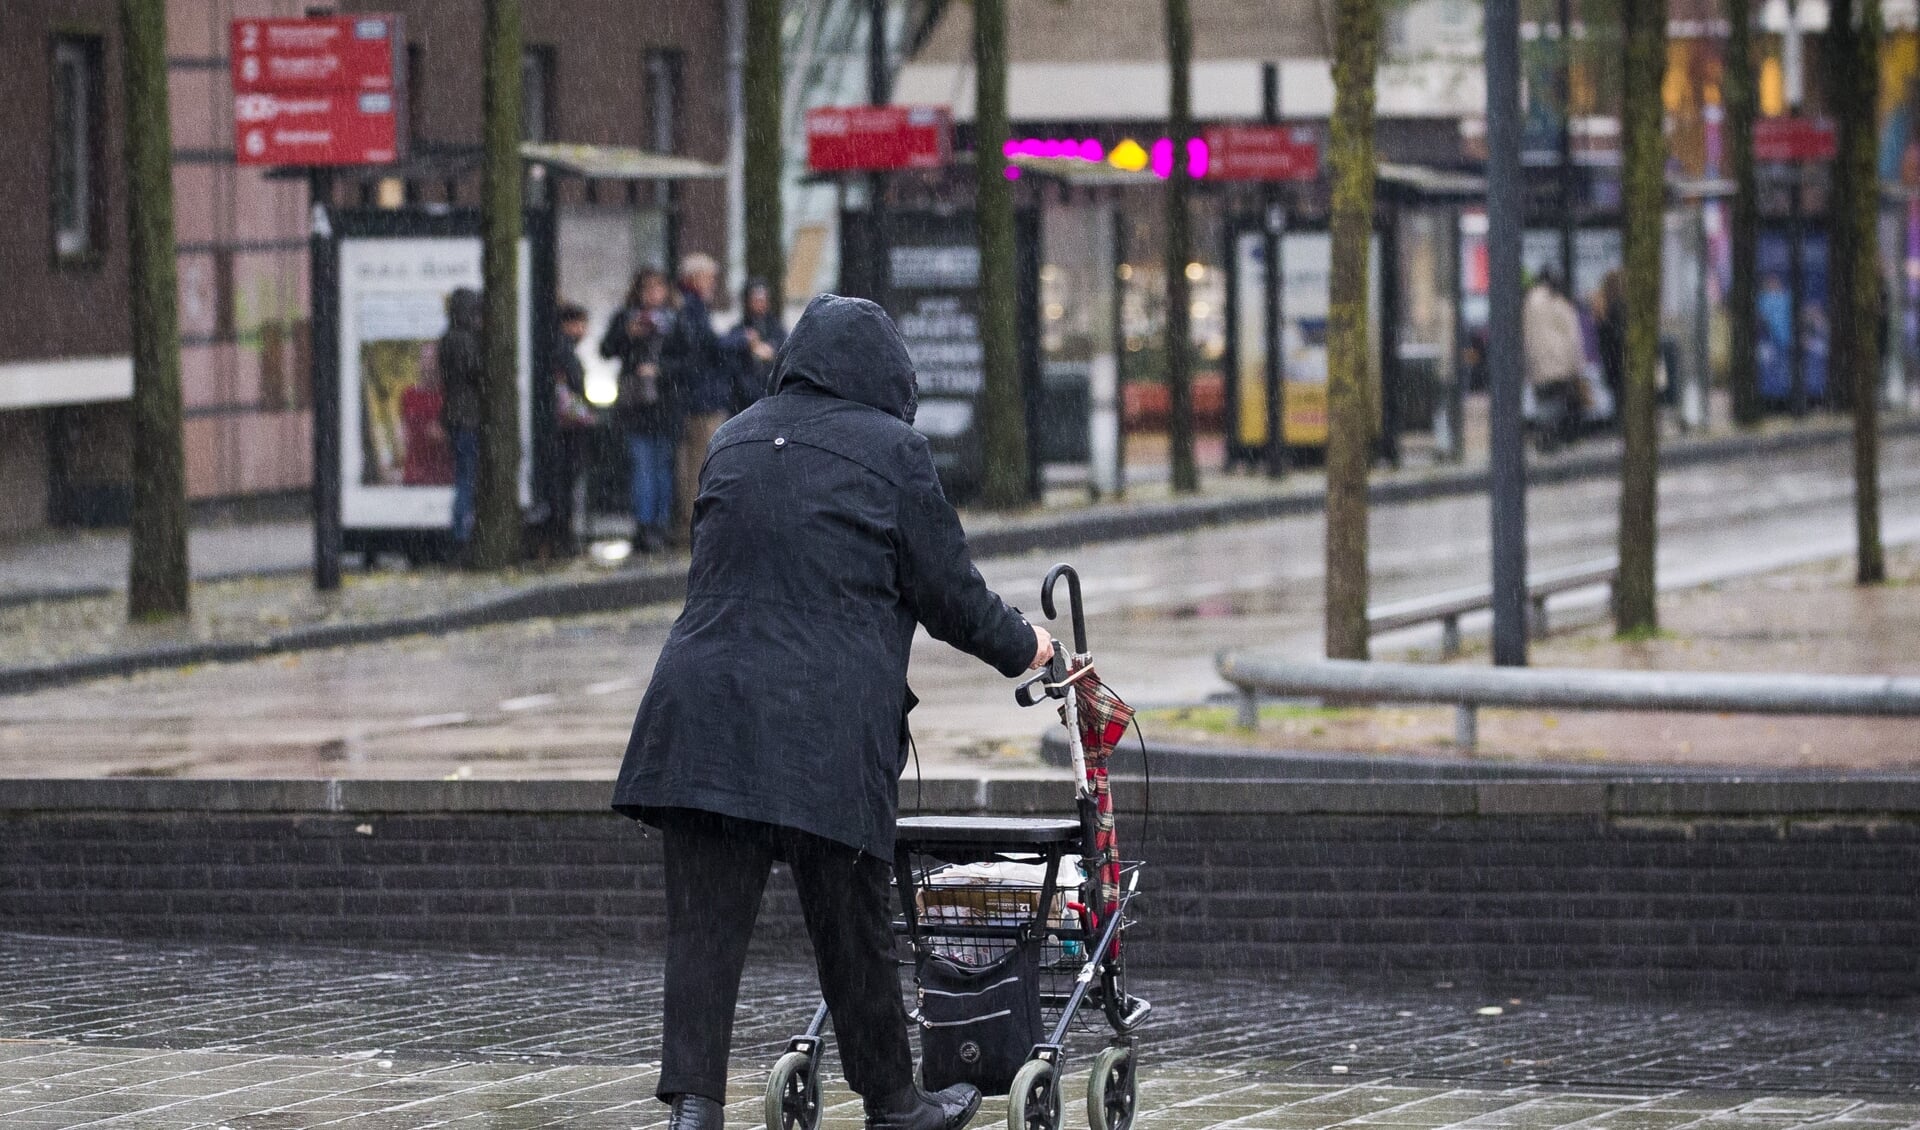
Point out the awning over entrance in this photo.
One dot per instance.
(432, 161)
(617, 162)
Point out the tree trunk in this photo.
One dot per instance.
(1350, 411)
(1643, 192)
(1854, 42)
(158, 583)
(1741, 95)
(496, 531)
(1003, 406)
(1843, 90)
(766, 243)
(1179, 249)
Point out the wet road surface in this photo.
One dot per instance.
(179, 1037)
(555, 698)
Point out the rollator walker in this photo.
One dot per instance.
(1015, 926)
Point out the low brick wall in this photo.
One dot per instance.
(1735, 886)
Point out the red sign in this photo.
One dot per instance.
(877, 138)
(1793, 139)
(320, 91)
(325, 53)
(329, 128)
(1271, 153)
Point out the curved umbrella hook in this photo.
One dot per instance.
(1073, 601)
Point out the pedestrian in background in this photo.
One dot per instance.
(1610, 327)
(462, 362)
(775, 724)
(573, 419)
(1550, 329)
(752, 344)
(699, 382)
(636, 337)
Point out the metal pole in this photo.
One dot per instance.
(879, 93)
(1794, 78)
(1568, 189)
(1273, 223)
(323, 356)
(1504, 223)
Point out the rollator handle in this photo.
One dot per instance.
(1049, 682)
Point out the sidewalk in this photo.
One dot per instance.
(1807, 619)
(60, 620)
(181, 1037)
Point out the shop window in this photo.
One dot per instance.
(76, 148)
(536, 94)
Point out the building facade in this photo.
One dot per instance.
(609, 72)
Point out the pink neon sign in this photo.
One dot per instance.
(1160, 157)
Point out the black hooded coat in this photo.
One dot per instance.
(820, 537)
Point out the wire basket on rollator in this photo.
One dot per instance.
(1015, 926)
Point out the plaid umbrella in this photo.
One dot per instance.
(1103, 721)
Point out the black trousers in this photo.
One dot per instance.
(716, 870)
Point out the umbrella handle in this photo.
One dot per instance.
(1073, 602)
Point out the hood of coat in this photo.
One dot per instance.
(848, 348)
(463, 309)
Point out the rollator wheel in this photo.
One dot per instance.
(1033, 1102)
(793, 1094)
(1111, 1090)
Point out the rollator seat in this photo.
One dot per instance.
(1036, 832)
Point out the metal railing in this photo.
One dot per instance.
(1467, 689)
(1449, 607)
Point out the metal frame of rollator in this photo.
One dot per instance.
(966, 840)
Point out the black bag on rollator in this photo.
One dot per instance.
(978, 1024)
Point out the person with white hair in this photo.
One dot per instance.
(698, 373)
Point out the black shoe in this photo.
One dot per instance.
(651, 542)
(694, 1112)
(915, 1109)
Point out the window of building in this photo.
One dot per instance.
(536, 94)
(76, 146)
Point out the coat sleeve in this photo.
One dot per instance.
(941, 585)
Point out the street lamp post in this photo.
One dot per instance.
(1504, 220)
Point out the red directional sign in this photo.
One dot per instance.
(276, 56)
(877, 138)
(1272, 153)
(328, 128)
(320, 91)
(1793, 139)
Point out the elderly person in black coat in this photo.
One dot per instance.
(775, 724)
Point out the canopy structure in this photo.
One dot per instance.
(617, 162)
(431, 161)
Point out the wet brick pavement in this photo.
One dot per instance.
(170, 1037)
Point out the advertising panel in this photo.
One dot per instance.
(395, 461)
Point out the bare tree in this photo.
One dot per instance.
(158, 582)
(1643, 192)
(1179, 249)
(1350, 409)
(1740, 92)
(1003, 404)
(496, 527)
(1853, 82)
(766, 247)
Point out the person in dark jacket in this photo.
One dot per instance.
(752, 344)
(699, 379)
(462, 362)
(642, 409)
(573, 418)
(775, 723)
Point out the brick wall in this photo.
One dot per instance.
(1739, 887)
